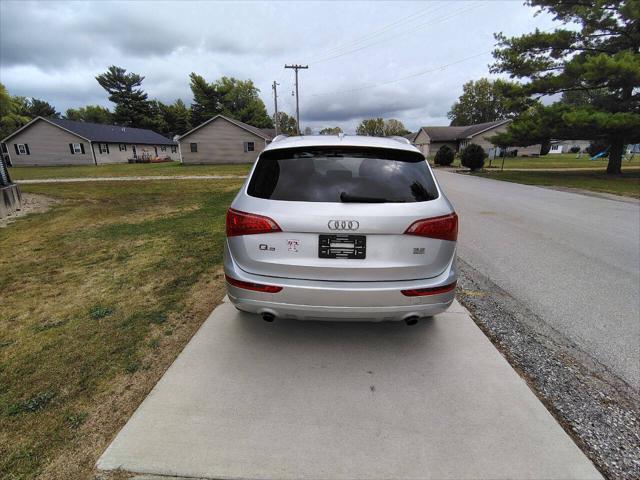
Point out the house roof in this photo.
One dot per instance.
(411, 136)
(266, 133)
(452, 134)
(96, 132)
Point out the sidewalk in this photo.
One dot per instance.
(310, 400)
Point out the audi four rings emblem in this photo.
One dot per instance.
(343, 224)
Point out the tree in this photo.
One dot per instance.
(132, 107)
(286, 124)
(394, 127)
(228, 96)
(330, 131)
(472, 156)
(34, 107)
(378, 127)
(11, 118)
(177, 118)
(308, 131)
(206, 101)
(90, 114)
(600, 59)
(444, 156)
(486, 101)
(372, 127)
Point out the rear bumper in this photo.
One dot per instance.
(319, 300)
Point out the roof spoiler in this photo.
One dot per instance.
(279, 137)
(400, 139)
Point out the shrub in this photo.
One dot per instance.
(444, 156)
(472, 156)
(574, 149)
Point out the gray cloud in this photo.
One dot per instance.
(53, 50)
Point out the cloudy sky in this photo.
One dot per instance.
(405, 60)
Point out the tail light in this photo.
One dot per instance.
(443, 228)
(423, 292)
(241, 223)
(256, 287)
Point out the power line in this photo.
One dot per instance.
(435, 21)
(408, 19)
(413, 75)
(417, 74)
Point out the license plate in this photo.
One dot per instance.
(342, 246)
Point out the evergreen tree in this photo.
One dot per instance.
(91, 114)
(132, 107)
(228, 96)
(599, 62)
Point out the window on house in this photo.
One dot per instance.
(194, 147)
(77, 148)
(249, 146)
(22, 149)
(122, 147)
(174, 149)
(163, 148)
(103, 148)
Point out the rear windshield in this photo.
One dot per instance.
(354, 175)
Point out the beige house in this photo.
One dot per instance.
(56, 141)
(565, 146)
(430, 139)
(223, 140)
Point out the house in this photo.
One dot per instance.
(223, 140)
(56, 141)
(429, 139)
(565, 146)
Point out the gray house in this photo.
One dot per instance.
(430, 139)
(55, 141)
(223, 140)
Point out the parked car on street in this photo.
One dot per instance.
(341, 228)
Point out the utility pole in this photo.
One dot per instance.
(275, 101)
(296, 68)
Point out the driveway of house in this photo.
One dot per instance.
(294, 400)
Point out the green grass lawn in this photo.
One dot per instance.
(126, 169)
(98, 296)
(563, 160)
(627, 184)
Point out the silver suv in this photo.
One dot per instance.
(341, 228)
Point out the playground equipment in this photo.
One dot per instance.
(600, 154)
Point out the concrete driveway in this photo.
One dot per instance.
(292, 400)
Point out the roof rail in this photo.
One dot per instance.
(279, 137)
(400, 139)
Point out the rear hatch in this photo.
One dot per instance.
(342, 214)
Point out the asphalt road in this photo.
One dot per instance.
(573, 259)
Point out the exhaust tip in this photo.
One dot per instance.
(268, 317)
(411, 321)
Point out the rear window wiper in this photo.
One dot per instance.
(348, 198)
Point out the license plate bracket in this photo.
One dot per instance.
(353, 247)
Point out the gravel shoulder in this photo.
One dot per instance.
(599, 411)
